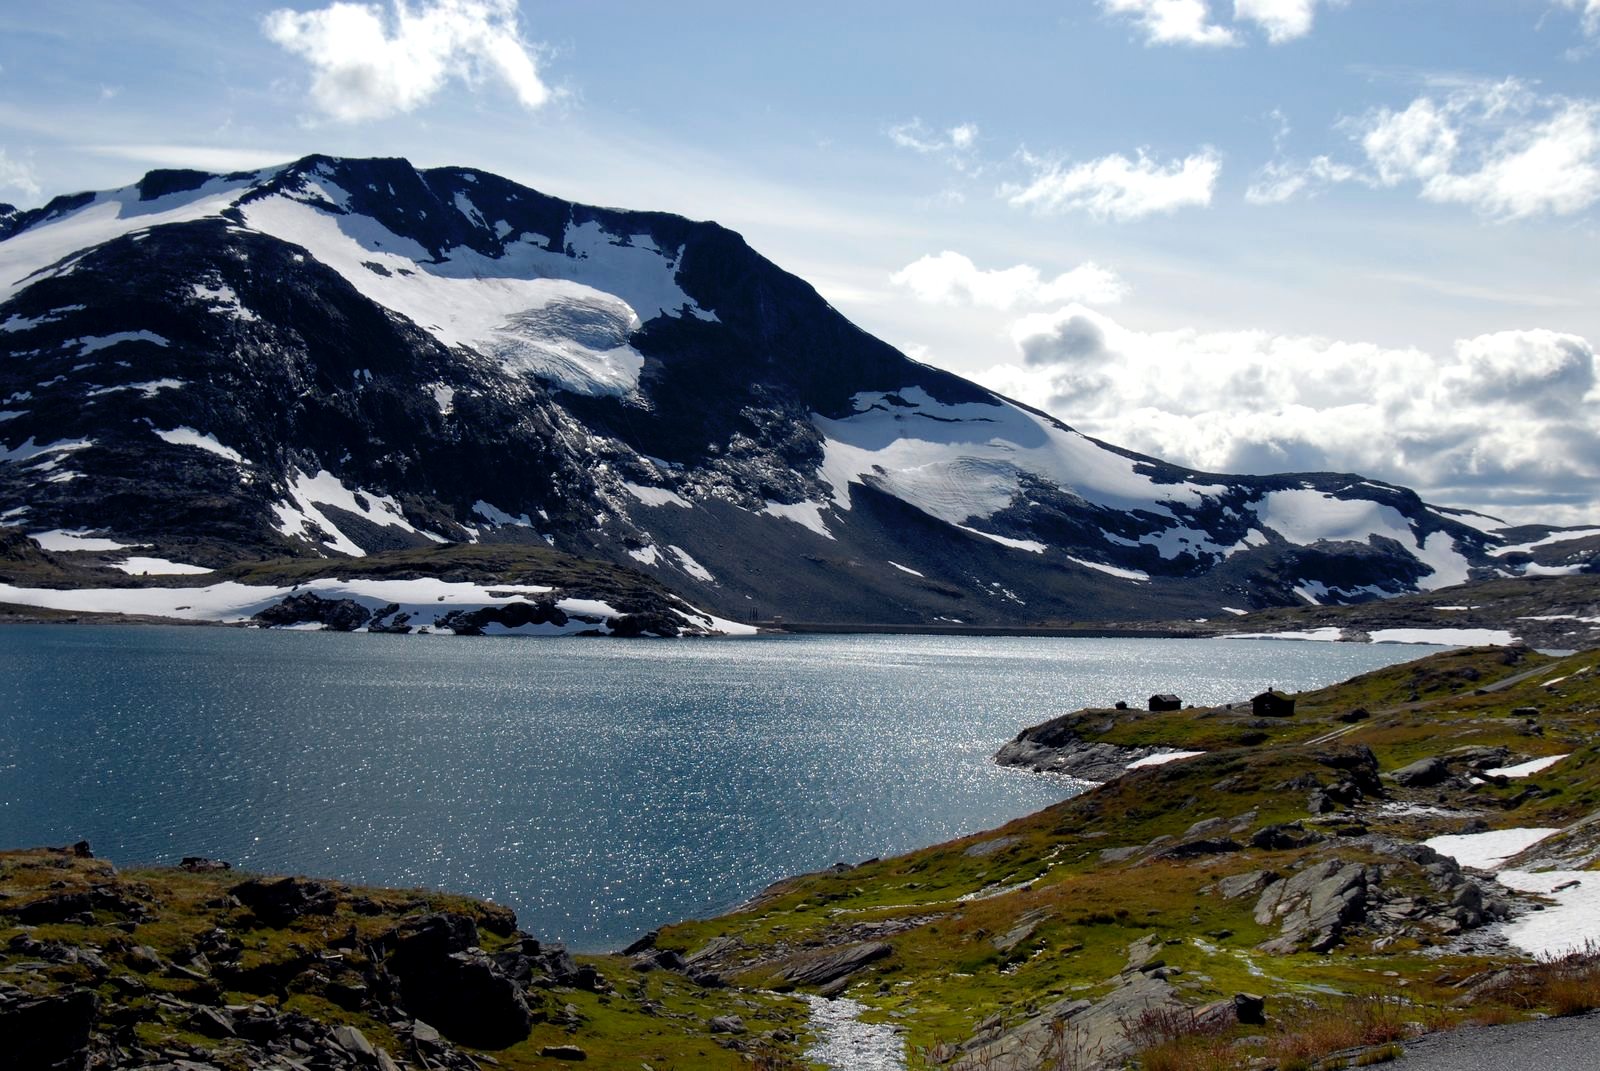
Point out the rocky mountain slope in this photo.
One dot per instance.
(338, 357)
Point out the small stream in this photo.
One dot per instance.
(845, 1043)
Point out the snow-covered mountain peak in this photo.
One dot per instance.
(340, 356)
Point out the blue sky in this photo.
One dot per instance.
(1245, 235)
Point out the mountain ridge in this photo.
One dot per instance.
(344, 356)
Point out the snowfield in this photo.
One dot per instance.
(426, 600)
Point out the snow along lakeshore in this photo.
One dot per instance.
(425, 599)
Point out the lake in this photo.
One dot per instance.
(600, 788)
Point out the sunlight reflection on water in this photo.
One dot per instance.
(599, 787)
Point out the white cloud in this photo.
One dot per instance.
(1590, 10)
(953, 279)
(18, 175)
(1549, 167)
(1510, 417)
(1282, 181)
(199, 157)
(956, 142)
(1189, 22)
(367, 67)
(1283, 20)
(1173, 22)
(1497, 147)
(1115, 187)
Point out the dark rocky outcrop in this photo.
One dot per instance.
(46, 1033)
(1061, 746)
(278, 902)
(338, 615)
(448, 981)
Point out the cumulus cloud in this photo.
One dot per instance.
(1115, 187)
(1173, 22)
(1509, 417)
(952, 279)
(367, 66)
(1282, 20)
(1499, 148)
(1189, 22)
(18, 175)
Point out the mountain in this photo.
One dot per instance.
(338, 357)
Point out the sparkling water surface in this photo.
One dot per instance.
(598, 787)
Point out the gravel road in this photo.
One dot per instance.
(1571, 1044)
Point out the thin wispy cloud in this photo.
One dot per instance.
(198, 157)
(1589, 12)
(18, 175)
(368, 66)
(1118, 188)
(953, 279)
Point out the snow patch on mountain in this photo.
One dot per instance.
(149, 388)
(687, 563)
(29, 450)
(95, 343)
(222, 300)
(1304, 516)
(495, 515)
(52, 249)
(805, 514)
(656, 496)
(1111, 570)
(1032, 546)
(200, 441)
(966, 461)
(300, 518)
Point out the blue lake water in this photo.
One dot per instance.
(598, 787)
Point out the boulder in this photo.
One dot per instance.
(445, 979)
(1423, 773)
(1283, 837)
(839, 963)
(1316, 905)
(48, 1033)
(1072, 1033)
(278, 902)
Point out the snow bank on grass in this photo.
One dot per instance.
(1330, 634)
(1487, 851)
(1526, 769)
(158, 567)
(1445, 637)
(1571, 924)
(1161, 758)
(75, 539)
